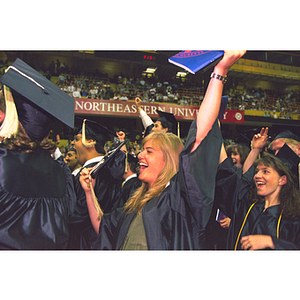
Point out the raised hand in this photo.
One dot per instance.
(259, 140)
(138, 102)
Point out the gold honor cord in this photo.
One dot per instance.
(278, 224)
(243, 225)
(279, 220)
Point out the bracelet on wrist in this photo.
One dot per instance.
(219, 77)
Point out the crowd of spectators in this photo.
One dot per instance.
(274, 103)
(81, 83)
(284, 103)
(128, 88)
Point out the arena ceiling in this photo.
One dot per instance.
(290, 58)
(159, 58)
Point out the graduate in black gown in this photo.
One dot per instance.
(171, 208)
(165, 123)
(89, 145)
(263, 202)
(36, 192)
(286, 146)
(131, 181)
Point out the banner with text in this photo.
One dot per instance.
(129, 109)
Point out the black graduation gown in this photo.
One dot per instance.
(177, 219)
(128, 188)
(232, 194)
(107, 189)
(216, 236)
(36, 199)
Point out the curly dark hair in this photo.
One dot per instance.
(240, 149)
(289, 195)
(23, 143)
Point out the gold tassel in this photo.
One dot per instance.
(84, 141)
(178, 130)
(299, 174)
(126, 162)
(10, 125)
(95, 201)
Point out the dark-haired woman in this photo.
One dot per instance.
(263, 203)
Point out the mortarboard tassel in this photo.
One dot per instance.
(95, 200)
(126, 162)
(178, 130)
(10, 125)
(84, 141)
(126, 165)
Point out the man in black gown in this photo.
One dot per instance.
(89, 145)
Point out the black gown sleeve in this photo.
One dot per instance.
(232, 186)
(289, 236)
(109, 183)
(107, 189)
(198, 171)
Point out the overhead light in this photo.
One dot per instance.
(87, 51)
(150, 70)
(181, 74)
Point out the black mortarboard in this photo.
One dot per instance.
(169, 119)
(96, 132)
(38, 101)
(136, 135)
(290, 159)
(243, 140)
(287, 134)
(148, 130)
(106, 159)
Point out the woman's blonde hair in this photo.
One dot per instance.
(290, 142)
(171, 146)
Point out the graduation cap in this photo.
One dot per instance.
(148, 130)
(169, 119)
(108, 157)
(287, 134)
(243, 140)
(136, 135)
(95, 131)
(290, 159)
(38, 101)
